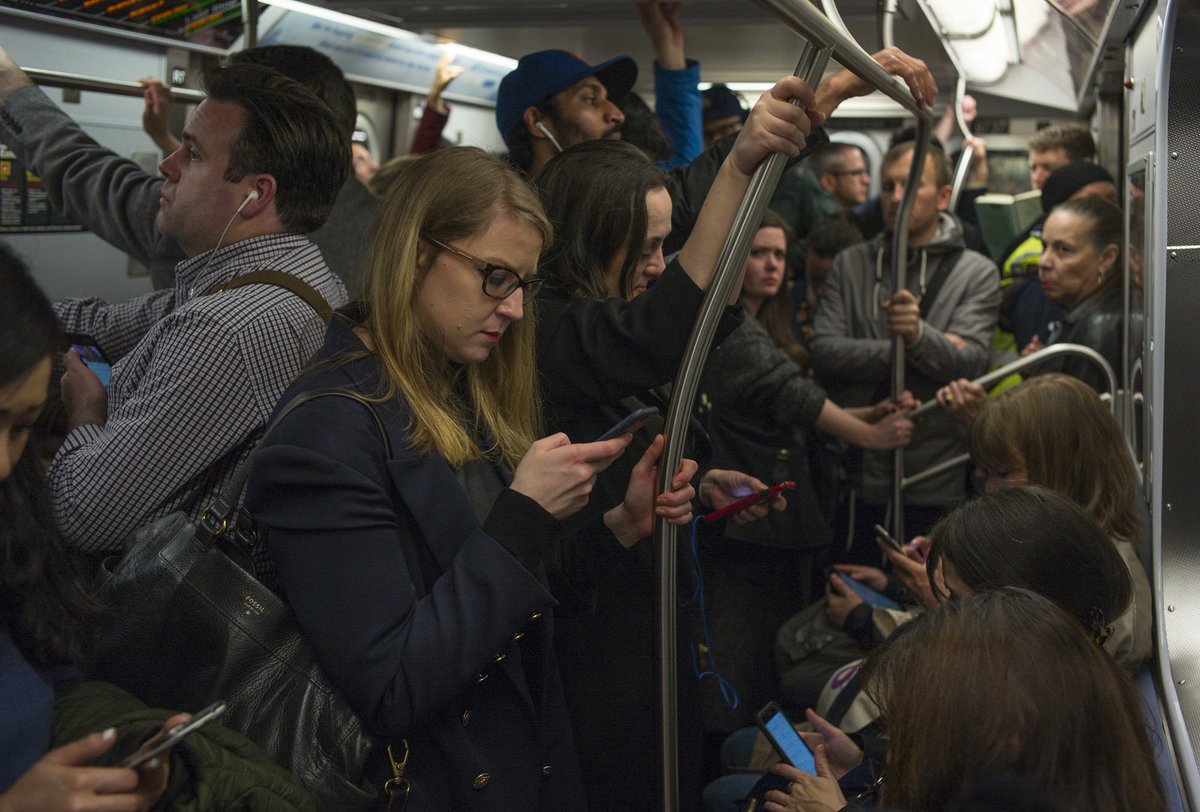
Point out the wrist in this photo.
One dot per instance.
(830, 94)
(622, 525)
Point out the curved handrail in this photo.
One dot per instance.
(968, 150)
(997, 375)
(887, 23)
(118, 87)
(1033, 359)
(687, 381)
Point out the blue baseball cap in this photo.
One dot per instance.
(544, 73)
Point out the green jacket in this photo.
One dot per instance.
(215, 768)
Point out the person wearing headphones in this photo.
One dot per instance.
(198, 368)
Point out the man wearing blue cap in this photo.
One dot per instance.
(554, 99)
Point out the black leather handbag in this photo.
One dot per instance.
(190, 625)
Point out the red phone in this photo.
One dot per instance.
(753, 499)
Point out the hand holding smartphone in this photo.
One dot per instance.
(629, 423)
(92, 356)
(871, 597)
(783, 737)
(764, 495)
(165, 740)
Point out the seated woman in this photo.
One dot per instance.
(43, 612)
(1010, 687)
(1080, 268)
(1026, 537)
(423, 565)
(1054, 431)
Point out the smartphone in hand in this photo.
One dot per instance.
(92, 356)
(870, 596)
(882, 533)
(783, 737)
(764, 495)
(629, 423)
(166, 739)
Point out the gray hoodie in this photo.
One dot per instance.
(851, 347)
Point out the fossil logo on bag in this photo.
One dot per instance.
(252, 606)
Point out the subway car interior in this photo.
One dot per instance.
(1006, 70)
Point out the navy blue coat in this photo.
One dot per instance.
(430, 624)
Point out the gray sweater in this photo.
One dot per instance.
(851, 347)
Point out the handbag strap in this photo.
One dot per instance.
(217, 517)
(282, 280)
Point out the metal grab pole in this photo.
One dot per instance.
(728, 270)
(887, 23)
(117, 87)
(249, 23)
(899, 277)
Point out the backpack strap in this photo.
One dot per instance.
(935, 284)
(282, 280)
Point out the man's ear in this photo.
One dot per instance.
(260, 196)
(943, 201)
(828, 181)
(531, 117)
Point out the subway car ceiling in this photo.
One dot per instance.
(1022, 57)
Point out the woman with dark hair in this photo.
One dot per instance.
(1080, 268)
(613, 320)
(42, 602)
(1009, 686)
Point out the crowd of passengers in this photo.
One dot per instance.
(472, 567)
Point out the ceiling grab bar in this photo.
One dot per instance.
(687, 381)
(968, 149)
(118, 87)
(249, 23)
(887, 23)
(824, 39)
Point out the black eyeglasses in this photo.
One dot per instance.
(858, 173)
(498, 282)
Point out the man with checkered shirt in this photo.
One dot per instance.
(199, 368)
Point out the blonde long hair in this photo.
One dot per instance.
(446, 195)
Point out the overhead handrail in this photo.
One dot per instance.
(887, 23)
(249, 23)
(823, 40)
(968, 149)
(997, 375)
(118, 87)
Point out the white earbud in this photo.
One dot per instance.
(252, 196)
(539, 125)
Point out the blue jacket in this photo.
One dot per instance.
(437, 629)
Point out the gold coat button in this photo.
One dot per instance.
(480, 677)
(499, 658)
(481, 780)
(466, 718)
(518, 635)
(547, 770)
(536, 616)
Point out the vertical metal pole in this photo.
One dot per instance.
(249, 24)
(964, 160)
(687, 381)
(899, 278)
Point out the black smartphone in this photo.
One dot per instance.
(92, 356)
(165, 740)
(747, 501)
(631, 422)
(783, 737)
(882, 532)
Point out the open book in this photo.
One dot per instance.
(1002, 217)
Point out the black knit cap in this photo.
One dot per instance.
(1069, 179)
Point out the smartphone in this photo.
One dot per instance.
(872, 598)
(165, 740)
(92, 356)
(783, 737)
(886, 536)
(631, 422)
(748, 501)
